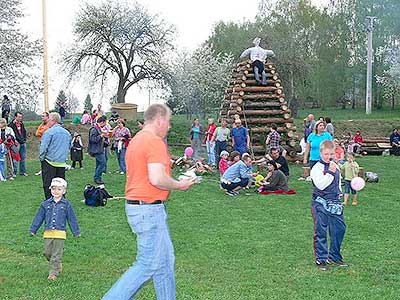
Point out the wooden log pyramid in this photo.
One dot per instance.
(259, 106)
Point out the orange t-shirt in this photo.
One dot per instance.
(145, 148)
(41, 130)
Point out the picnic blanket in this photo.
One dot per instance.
(289, 192)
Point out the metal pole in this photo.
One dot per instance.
(149, 97)
(368, 99)
(45, 63)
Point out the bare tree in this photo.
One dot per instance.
(116, 40)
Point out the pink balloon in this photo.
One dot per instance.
(357, 183)
(189, 151)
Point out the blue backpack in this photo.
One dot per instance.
(95, 196)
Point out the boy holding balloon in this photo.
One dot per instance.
(327, 209)
(351, 169)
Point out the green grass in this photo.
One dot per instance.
(248, 247)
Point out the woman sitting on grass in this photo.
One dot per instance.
(275, 179)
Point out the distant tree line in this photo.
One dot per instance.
(321, 52)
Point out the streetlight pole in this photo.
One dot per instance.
(45, 64)
(368, 100)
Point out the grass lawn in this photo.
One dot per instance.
(245, 247)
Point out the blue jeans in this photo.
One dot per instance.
(348, 188)
(2, 173)
(100, 166)
(106, 155)
(121, 159)
(219, 147)
(211, 152)
(155, 255)
(257, 76)
(231, 186)
(22, 153)
(324, 221)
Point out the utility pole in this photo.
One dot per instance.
(45, 64)
(370, 23)
(149, 96)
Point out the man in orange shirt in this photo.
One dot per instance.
(40, 130)
(148, 183)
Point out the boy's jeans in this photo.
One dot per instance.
(211, 152)
(324, 221)
(155, 255)
(22, 153)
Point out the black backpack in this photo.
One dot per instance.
(95, 196)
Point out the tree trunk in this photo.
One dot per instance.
(121, 93)
(392, 102)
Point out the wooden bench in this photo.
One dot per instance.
(384, 145)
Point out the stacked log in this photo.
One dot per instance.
(259, 106)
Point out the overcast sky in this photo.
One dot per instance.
(194, 21)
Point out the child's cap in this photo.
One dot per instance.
(76, 134)
(57, 181)
(223, 152)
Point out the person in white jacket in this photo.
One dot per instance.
(258, 56)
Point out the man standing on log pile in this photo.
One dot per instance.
(258, 56)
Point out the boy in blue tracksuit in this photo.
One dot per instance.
(327, 209)
(55, 212)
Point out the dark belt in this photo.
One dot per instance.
(138, 202)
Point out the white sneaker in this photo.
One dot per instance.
(38, 173)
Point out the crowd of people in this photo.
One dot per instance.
(146, 162)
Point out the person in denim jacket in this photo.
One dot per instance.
(55, 212)
(327, 210)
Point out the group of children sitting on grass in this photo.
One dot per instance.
(237, 173)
